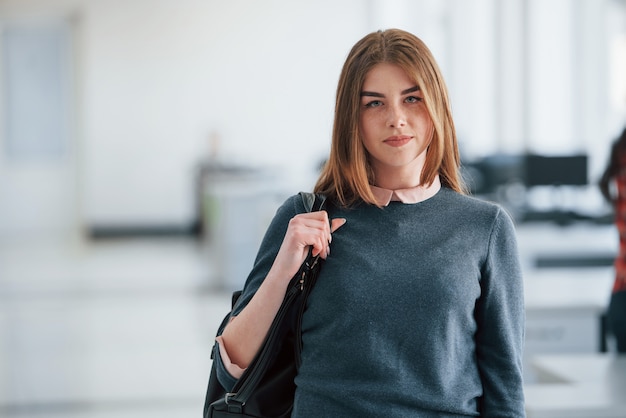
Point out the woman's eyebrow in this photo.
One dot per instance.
(374, 94)
(411, 90)
(371, 94)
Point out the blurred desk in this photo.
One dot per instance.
(564, 308)
(577, 386)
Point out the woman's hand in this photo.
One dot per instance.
(243, 336)
(305, 230)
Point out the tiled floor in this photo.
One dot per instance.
(124, 328)
(112, 329)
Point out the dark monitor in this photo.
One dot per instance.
(566, 170)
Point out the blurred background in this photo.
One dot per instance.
(145, 145)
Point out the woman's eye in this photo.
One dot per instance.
(374, 103)
(413, 99)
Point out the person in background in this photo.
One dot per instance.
(613, 188)
(418, 310)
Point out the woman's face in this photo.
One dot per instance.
(395, 126)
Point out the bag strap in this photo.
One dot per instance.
(313, 202)
(300, 285)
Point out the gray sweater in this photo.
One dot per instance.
(417, 312)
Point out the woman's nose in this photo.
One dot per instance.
(396, 117)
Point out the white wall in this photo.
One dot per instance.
(158, 78)
(162, 77)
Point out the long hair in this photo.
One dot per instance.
(616, 165)
(347, 174)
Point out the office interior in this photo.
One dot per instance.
(145, 145)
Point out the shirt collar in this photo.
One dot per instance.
(411, 195)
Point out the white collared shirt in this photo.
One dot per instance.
(411, 195)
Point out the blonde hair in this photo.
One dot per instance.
(347, 175)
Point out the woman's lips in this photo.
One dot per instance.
(397, 140)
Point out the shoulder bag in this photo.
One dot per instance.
(266, 388)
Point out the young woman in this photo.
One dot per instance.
(615, 175)
(418, 309)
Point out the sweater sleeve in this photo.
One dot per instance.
(266, 254)
(500, 318)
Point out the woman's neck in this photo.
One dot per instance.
(396, 179)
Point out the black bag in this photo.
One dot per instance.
(267, 388)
